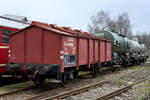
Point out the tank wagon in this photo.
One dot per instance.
(47, 51)
(8, 25)
(125, 52)
(137, 52)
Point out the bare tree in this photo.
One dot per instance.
(144, 38)
(123, 25)
(99, 21)
(102, 19)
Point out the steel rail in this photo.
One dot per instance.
(76, 91)
(119, 91)
(44, 94)
(80, 90)
(13, 92)
(62, 95)
(51, 92)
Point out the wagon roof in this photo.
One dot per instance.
(61, 30)
(76, 32)
(44, 27)
(18, 18)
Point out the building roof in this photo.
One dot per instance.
(15, 17)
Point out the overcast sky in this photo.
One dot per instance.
(77, 13)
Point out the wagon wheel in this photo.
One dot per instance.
(75, 74)
(39, 79)
(94, 71)
(112, 68)
(98, 69)
(64, 79)
(139, 63)
(125, 64)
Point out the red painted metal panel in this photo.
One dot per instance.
(108, 51)
(96, 50)
(2, 69)
(46, 52)
(77, 67)
(61, 60)
(83, 51)
(99, 57)
(70, 45)
(36, 45)
(91, 51)
(33, 45)
(17, 48)
(102, 51)
(3, 55)
(70, 48)
(52, 48)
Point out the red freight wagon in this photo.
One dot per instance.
(47, 51)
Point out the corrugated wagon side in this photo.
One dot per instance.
(47, 51)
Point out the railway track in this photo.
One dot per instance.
(12, 94)
(46, 96)
(51, 96)
(51, 93)
(119, 91)
(4, 96)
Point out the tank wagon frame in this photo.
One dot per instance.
(126, 52)
(46, 51)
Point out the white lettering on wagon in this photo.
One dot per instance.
(68, 44)
(71, 39)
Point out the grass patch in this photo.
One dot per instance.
(148, 59)
(83, 73)
(12, 87)
(146, 88)
(119, 82)
(139, 67)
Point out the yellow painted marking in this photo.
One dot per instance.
(4, 47)
(2, 65)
